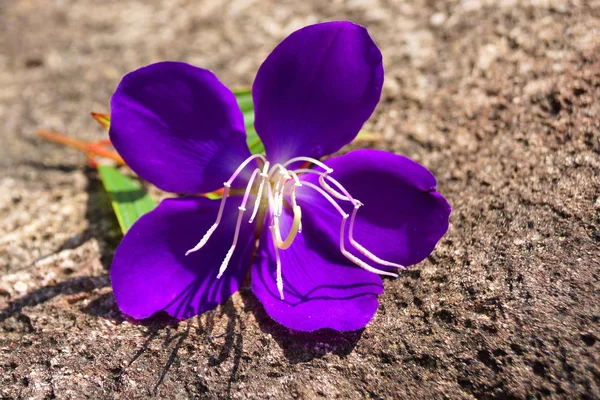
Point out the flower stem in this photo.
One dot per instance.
(89, 148)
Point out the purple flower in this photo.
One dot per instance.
(325, 234)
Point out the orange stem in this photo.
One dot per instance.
(88, 148)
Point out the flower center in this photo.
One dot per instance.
(271, 184)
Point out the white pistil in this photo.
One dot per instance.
(263, 177)
(278, 192)
(285, 244)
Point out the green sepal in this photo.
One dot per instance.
(129, 200)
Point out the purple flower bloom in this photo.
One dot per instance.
(325, 234)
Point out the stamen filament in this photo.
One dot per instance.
(363, 250)
(210, 231)
(310, 160)
(355, 259)
(241, 209)
(325, 186)
(278, 193)
(293, 196)
(279, 278)
(327, 197)
(357, 204)
(243, 165)
(232, 248)
(345, 216)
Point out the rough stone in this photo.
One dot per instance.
(501, 100)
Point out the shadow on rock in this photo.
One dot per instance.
(69, 286)
(162, 327)
(301, 346)
(103, 225)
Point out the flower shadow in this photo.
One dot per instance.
(103, 227)
(299, 346)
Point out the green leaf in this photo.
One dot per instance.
(244, 99)
(129, 200)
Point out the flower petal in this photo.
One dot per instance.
(151, 273)
(322, 288)
(316, 89)
(178, 127)
(403, 217)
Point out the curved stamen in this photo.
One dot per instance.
(293, 195)
(357, 204)
(226, 186)
(210, 231)
(243, 165)
(241, 209)
(310, 160)
(279, 278)
(345, 197)
(357, 260)
(345, 216)
(327, 196)
(363, 250)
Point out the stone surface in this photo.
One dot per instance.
(500, 99)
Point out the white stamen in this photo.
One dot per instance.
(325, 186)
(243, 165)
(241, 209)
(209, 233)
(232, 248)
(310, 160)
(280, 195)
(345, 216)
(226, 186)
(293, 195)
(355, 259)
(357, 204)
(278, 263)
(363, 250)
(327, 196)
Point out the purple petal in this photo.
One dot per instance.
(316, 89)
(322, 288)
(178, 127)
(403, 217)
(151, 273)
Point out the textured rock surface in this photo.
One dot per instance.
(499, 99)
